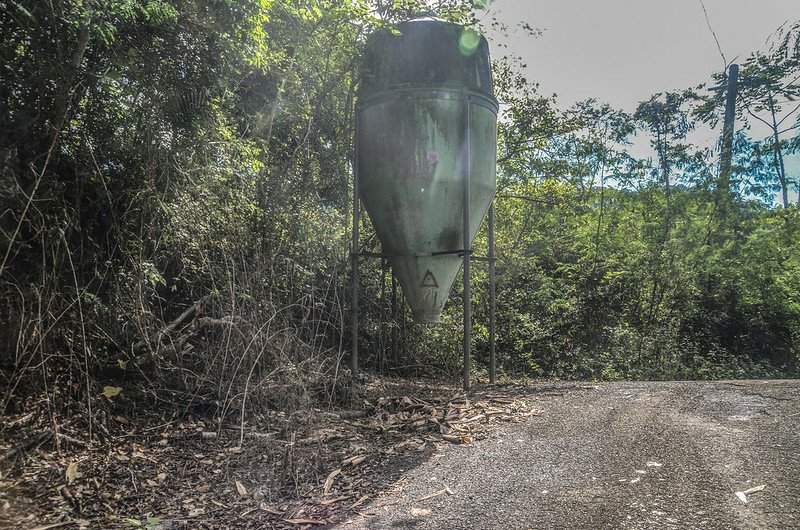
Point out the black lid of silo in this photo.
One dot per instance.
(426, 52)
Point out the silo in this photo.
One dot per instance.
(427, 119)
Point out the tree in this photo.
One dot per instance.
(769, 82)
(665, 117)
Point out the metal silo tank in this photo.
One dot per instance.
(423, 85)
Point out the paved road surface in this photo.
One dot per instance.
(618, 455)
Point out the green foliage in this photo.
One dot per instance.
(158, 153)
(767, 97)
(189, 160)
(150, 523)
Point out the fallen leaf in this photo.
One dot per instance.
(111, 391)
(475, 418)
(304, 521)
(330, 479)
(54, 525)
(72, 470)
(328, 502)
(353, 460)
(359, 502)
(241, 489)
(435, 494)
(67, 494)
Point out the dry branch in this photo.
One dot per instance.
(143, 345)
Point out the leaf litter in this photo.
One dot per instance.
(302, 470)
(742, 495)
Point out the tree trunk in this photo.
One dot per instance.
(778, 155)
(61, 101)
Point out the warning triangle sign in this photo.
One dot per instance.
(429, 280)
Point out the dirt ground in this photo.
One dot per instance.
(416, 454)
(617, 455)
(144, 464)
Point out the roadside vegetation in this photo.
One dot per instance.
(175, 191)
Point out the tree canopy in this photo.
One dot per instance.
(176, 182)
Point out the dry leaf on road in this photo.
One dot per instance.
(328, 502)
(72, 470)
(742, 497)
(359, 502)
(353, 461)
(436, 494)
(305, 521)
(330, 479)
(241, 489)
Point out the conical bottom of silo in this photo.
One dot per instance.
(426, 283)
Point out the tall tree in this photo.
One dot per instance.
(664, 116)
(769, 95)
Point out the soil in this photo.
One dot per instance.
(417, 454)
(617, 455)
(147, 464)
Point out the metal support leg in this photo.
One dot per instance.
(384, 311)
(492, 353)
(394, 335)
(467, 174)
(403, 334)
(354, 260)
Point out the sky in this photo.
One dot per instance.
(623, 51)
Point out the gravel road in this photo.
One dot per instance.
(617, 455)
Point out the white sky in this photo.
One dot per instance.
(623, 51)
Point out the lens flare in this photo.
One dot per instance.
(468, 42)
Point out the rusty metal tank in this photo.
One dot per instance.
(426, 87)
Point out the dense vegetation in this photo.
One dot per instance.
(175, 199)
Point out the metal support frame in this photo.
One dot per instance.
(492, 299)
(465, 252)
(354, 252)
(467, 161)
